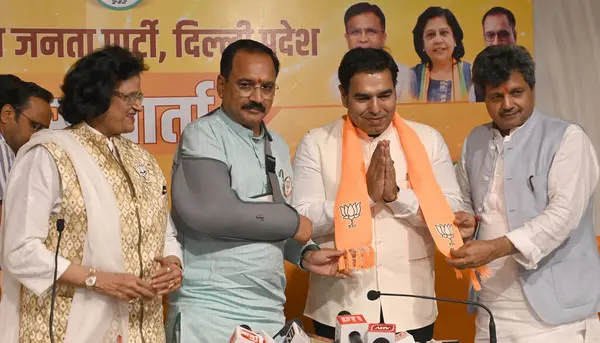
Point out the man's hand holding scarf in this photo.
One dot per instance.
(466, 224)
(478, 253)
(325, 262)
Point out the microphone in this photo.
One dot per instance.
(381, 333)
(350, 328)
(374, 295)
(243, 334)
(60, 226)
(354, 337)
(296, 334)
(266, 337)
(286, 327)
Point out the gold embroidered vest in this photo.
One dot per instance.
(137, 184)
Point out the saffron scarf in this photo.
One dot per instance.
(352, 215)
(459, 85)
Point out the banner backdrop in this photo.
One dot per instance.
(183, 41)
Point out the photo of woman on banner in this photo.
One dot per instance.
(441, 76)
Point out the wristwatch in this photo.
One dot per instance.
(90, 280)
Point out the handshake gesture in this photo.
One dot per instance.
(381, 175)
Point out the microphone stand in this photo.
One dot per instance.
(374, 295)
(60, 226)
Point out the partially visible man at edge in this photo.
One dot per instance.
(234, 258)
(364, 24)
(499, 28)
(530, 179)
(24, 109)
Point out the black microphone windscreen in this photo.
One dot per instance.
(344, 313)
(354, 337)
(246, 327)
(60, 225)
(381, 340)
(373, 295)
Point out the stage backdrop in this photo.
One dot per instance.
(183, 41)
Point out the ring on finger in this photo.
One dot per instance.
(169, 269)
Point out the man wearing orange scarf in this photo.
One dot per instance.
(354, 182)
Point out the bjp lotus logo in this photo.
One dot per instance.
(350, 212)
(446, 231)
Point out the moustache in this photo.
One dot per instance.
(508, 113)
(254, 106)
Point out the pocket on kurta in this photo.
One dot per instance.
(565, 274)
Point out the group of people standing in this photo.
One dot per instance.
(349, 209)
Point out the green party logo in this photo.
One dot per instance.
(119, 5)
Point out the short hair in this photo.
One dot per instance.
(494, 65)
(457, 32)
(36, 91)
(89, 85)
(247, 45)
(364, 7)
(501, 10)
(361, 60)
(13, 92)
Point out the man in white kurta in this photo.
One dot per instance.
(402, 242)
(502, 293)
(521, 290)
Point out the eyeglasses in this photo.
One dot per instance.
(130, 98)
(502, 35)
(34, 124)
(245, 89)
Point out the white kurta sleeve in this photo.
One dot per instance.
(309, 197)
(33, 191)
(572, 179)
(172, 246)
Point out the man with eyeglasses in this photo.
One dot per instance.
(230, 193)
(365, 28)
(499, 28)
(24, 109)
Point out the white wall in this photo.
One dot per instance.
(567, 55)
